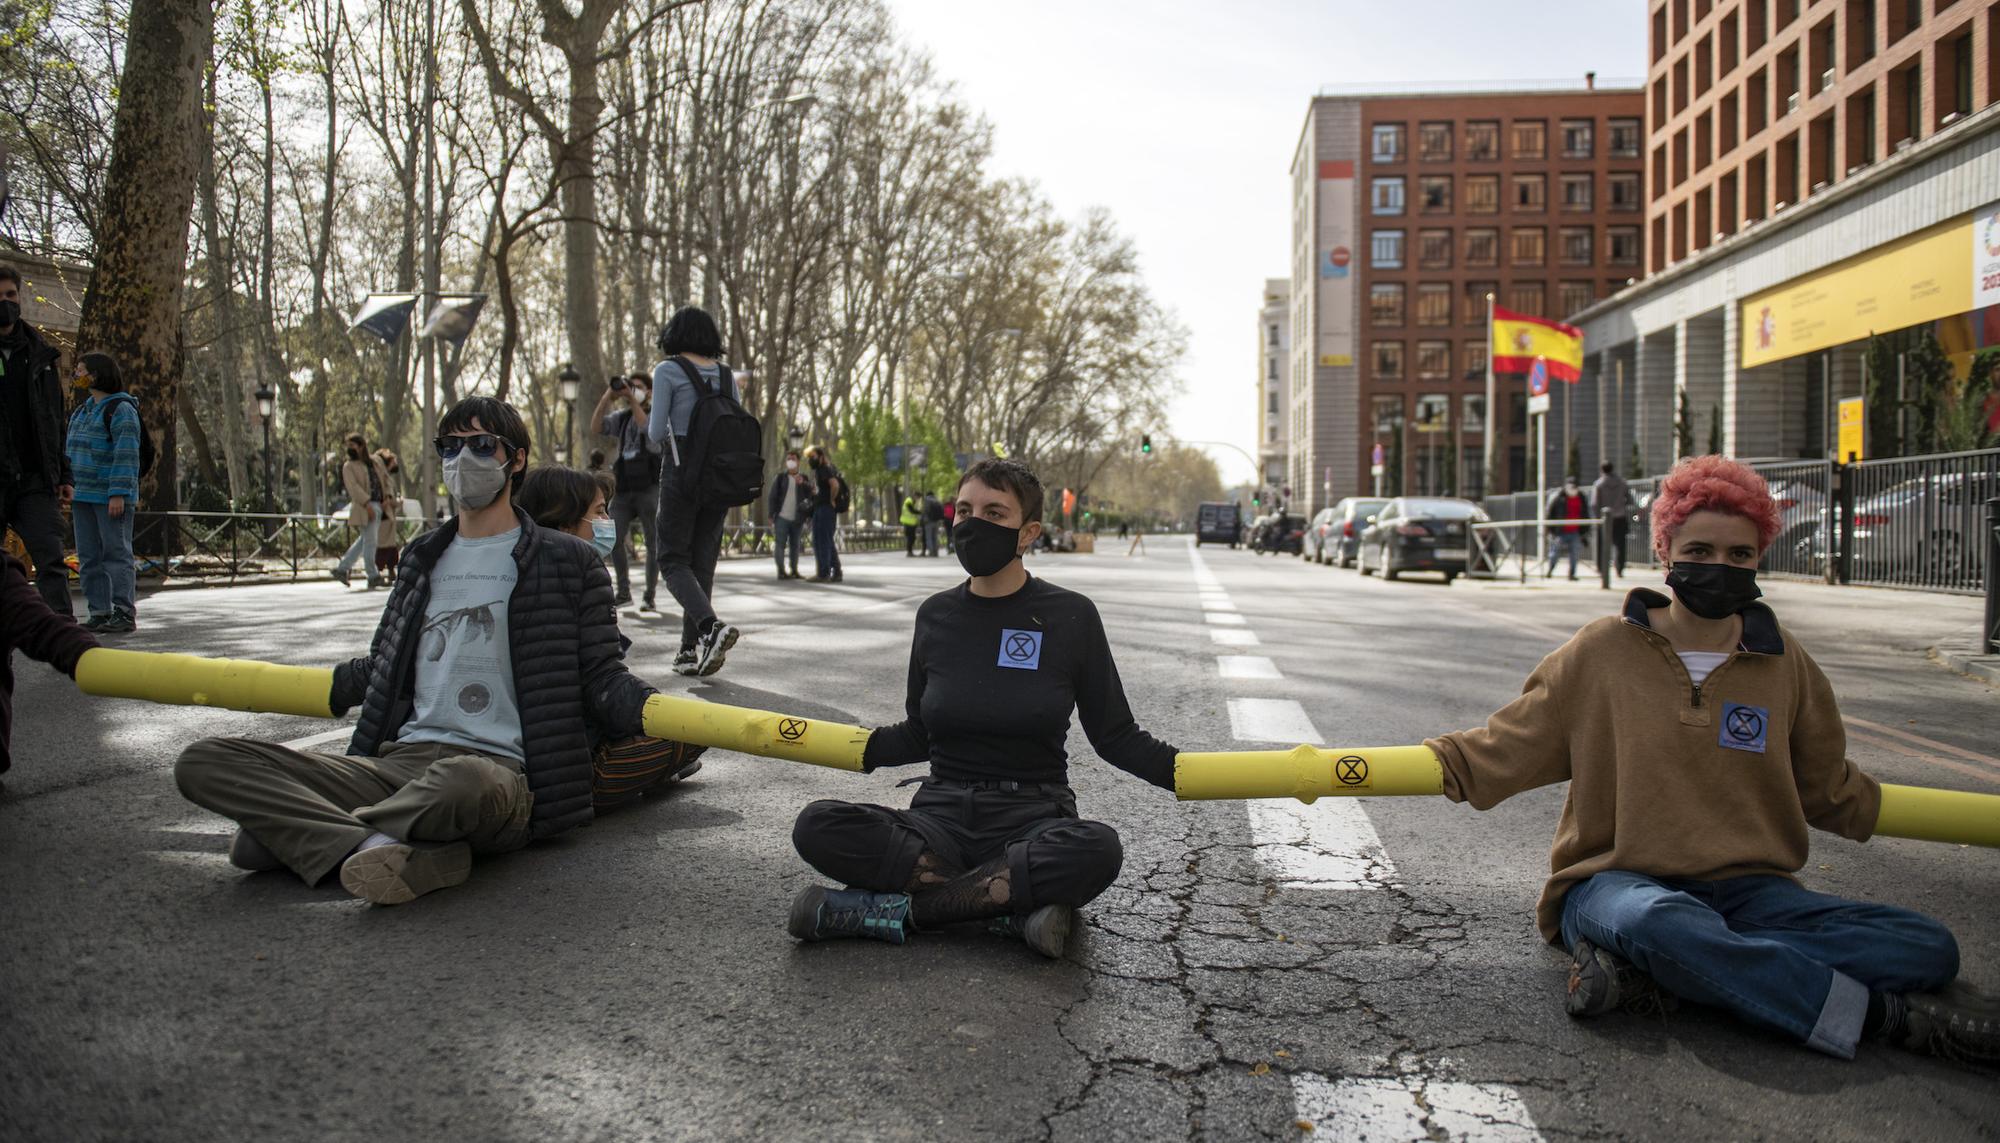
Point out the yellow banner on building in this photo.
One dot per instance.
(1920, 278)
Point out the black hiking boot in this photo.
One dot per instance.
(822, 914)
(1600, 981)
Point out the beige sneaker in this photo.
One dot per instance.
(398, 873)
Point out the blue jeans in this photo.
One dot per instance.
(785, 535)
(1558, 541)
(364, 545)
(826, 561)
(1764, 948)
(104, 559)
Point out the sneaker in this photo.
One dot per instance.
(342, 576)
(646, 604)
(398, 873)
(712, 648)
(117, 623)
(94, 622)
(622, 599)
(684, 662)
(822, 914)
(1935, 1026)
(246, 852)
(1046, 930)
(1600, 981)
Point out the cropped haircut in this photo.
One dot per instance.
(493, 416)
(103, 370)
(557, 496)
(9, 274)
(1712, 484)
(691, 330)
(1009, 476)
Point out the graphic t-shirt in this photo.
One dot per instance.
(465, 676)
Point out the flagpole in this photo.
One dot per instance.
(1488, 478)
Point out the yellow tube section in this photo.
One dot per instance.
(1308, 772)
(1939, 815)
(761, 732)
(190, 680)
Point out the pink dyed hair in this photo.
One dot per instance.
(1712, 484)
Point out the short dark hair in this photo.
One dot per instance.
(691, 330)
(557, 496)
(1605, 468)
(9, 274)
(608, 484)
(493, 416)
(1009, 476)
(642, 378)
(103, 370)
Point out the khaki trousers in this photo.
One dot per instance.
(311, 810)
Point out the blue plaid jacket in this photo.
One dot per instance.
(104, 464)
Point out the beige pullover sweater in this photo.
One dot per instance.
(1667, 778)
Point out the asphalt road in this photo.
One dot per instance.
(1365, 969)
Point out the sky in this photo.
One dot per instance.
(1181, 116)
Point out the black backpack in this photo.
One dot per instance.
(640, 473)
(146, 453)
(723, 466)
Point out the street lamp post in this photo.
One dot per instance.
(795, 438)
(267, 402)
(569, 381)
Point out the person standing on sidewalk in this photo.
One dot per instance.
(690, 531)
(830, 499)
(1611, 494)
(35, 482)
(1566, 503)
(495, 667)
(911, 516)
(103, 450)
(950, 514)
(637, 470)
(933, 518)
(368, 510)
(790, 505)
(389, 543)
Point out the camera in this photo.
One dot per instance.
(617, 384)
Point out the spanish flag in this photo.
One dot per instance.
(1518, 339)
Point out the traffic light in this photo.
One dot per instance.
(1145, 443)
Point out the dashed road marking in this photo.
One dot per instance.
(315, 741)
(1233, 637)
(1270, 720)
(1412, 1107)
(1223, 619)
(1327, 846)
(1247, 667)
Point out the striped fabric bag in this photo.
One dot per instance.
(622, 771)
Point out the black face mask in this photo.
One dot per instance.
(1714, 591)
(352, 455)
(10, 312)
(982, 546)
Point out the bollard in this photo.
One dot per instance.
(1604, 548)
(1989, 631)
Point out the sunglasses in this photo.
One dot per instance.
(482, 445)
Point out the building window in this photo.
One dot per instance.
(1574, 297)
(1271, 406)
(1622, 245)
(1482, 141)
(1475, 361)
(1385, 303)
(1436, 193)
(1529, 246)
(1577, 139)
(1576, 193)
(1387, 196)
(1434, 250)
(1576, 245)
(1472, 406)
(1434, 142)
(1433, 412)
(1385, 250)
(1386, 143)
(1434, 304)
(1625, 138)
(1528, 298)
(1271, 369)
(1475, 300)
(1433, 360)
(1482, 247)
(1274, 333)
(1624, 191)
(1388, 361)
(1531, 193)
(1531, 139)
(1388, 414)
(1482, 194)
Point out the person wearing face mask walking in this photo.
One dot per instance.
(637, 470)
(790, 505)
(1700, 741)
(35, 481)
(495, 668)
(1566, 503)
(997, 666)
(370, 510)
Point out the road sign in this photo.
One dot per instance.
(1853, 423)
(920, 455)
(892, 457)
(1375, 457)
(1538, 387)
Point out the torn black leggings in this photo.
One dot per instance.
(1053, 856)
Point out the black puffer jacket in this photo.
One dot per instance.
(569, 670)
(49, 416)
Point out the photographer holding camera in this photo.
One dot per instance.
(637, 471)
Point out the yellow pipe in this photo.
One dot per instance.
(1939, 815)
(1308, 772)
(755, 731)
(191, 680)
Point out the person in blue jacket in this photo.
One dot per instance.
(103, 448)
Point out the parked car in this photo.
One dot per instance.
(1335, 533)
(1278, 532)
(1922, 530)
(1218, 522)
(1419, 533)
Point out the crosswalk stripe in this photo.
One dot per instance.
(1247, 667)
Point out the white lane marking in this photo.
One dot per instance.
(1224, 619)
(1216, 603)
(1270, 720)
(1413, 1108)
(1247, 667)
(1232, 637)
(1327, 846)
(314, 741)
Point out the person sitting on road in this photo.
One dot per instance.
(496, 659)
(1700, 740)
(29, 625)
(561, 498)
(996, 667)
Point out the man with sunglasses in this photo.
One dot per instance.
(496, 657)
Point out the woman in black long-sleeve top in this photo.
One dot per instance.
(997, 665)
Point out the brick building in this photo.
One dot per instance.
(1408, 209)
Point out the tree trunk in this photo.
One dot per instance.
(575, 170)
(133, 307)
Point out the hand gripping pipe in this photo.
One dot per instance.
(191, 680)
(755, 731)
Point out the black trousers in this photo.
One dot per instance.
(631, 510)
(1621, 527)
(1053, 856)
(690, 541)
(30, 509)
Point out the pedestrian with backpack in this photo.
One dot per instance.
(714, 462)
(103, 448)
(933, 516)
(637, 471)
(370, 511)
(833, 500)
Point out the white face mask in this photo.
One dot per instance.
(475, 481)
(791, 466)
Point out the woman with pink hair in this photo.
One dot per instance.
(1700, 741)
